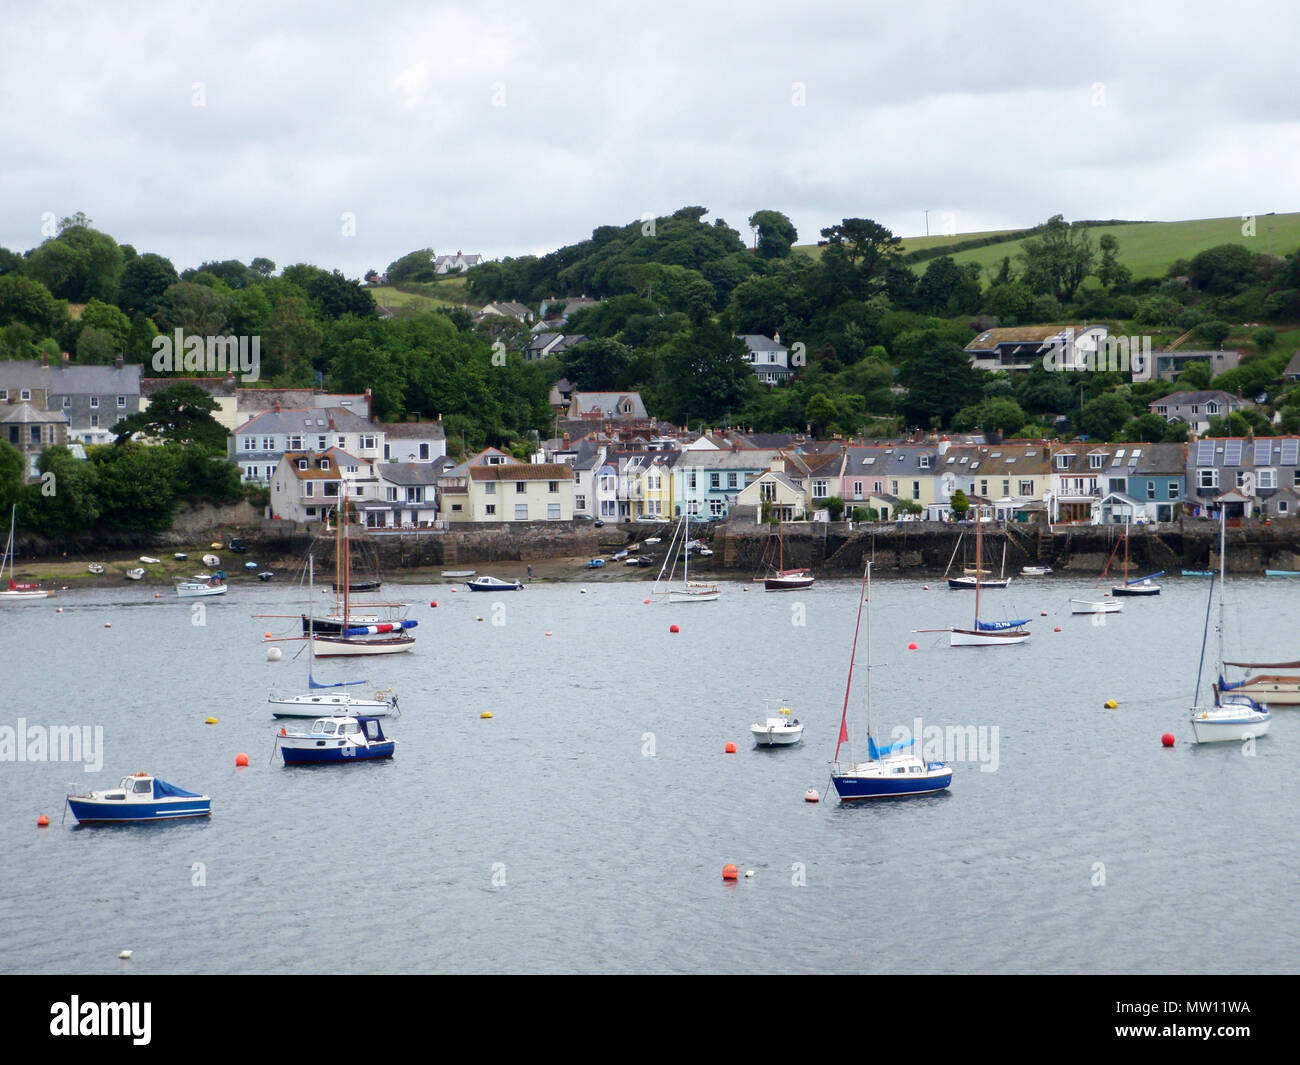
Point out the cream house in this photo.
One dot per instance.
(516, 491)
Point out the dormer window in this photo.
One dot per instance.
(1063, 461)
(324, 464)
(302, 464)
(1095, 462)
(925, 462)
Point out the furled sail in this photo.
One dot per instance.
(1000, 626)
(374, 630)
(1148, 577)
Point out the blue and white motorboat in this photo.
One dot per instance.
(341, 738)
(493, 584)
(140, 797)
(887, 773)
(201, 584)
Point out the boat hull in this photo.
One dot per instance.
(319, 753)
(969, 582)
(1135, 589)
(972, 638)
(492, 584)
(776, 737)
(1273, 690)
(314, 706)
(707, 595)
(333, 626)
(199, 591)
(865, 782)
(1228, 729)
(789, 582)
(355, 647)
(7, 596)
(108, 811)
(1088, 606)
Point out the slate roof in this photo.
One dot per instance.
(608, 403)
(409, 473)
(307, 420)
(71, 378)
(892, 461)
(432, 430)
(758, 342)
(216, 387)
(27, 414)
(1184, 399)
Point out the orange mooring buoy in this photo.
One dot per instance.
(730, 872)
(241, 759)
(43, 821)
(730, 748)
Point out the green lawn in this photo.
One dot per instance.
(1146, 248)
(449, 293)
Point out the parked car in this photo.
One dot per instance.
(596, 563)
(599, 524)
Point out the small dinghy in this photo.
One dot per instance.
(180, 556)
(1035, 571)
(96, 567)
(265, 575)
(140, 797)
(250, 565)
(341, 738)
(211, 561)
(135, 574)
(458, 574)
(493, 584)
(149, 560)
(1091, 606)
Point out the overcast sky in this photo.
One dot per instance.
(241, 129)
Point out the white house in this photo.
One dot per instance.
(257, 446)
(406, 496)
(414, 441)
(769, 357)
(306, 485)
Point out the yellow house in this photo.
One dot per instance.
(777, 488)
(656, 480)
(517, 491)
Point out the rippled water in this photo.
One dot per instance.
(584, 827)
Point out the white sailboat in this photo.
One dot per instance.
(986, 633)
(1138, 585)
(14, 591)
(322, 700)
(1234, 716)
(690, 591)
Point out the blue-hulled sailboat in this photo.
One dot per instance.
(887, 773)
(986, 633)
(1136, 585)
(338, 738)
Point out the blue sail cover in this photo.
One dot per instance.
(163, 790)
(385, 626)
(312, 682)
(1148, 577)
(876, 753)
(1226, 686)
(1000, 626)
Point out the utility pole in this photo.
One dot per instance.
(927, 223)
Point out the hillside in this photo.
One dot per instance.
(1146, 248)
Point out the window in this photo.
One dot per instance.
(424, 452)
(415, 494)
(1026, 488)
(767, 491)
(579, 502)
(652, 481)
(1063, 461)
(121, 402)
(1006, 487)
(1207, 478)
(1196, 409)
(521, 487)
(302, 464)
(94, 421)
(521, 512)
(893, 488)
(456, 507)
(690, 479)
(268, 443)
(715, 480)
(1095, 462)
(857, 489)
(1266, 478)
(925, 462)
(553, 487)
(4, 395)
(496, 460)
(1161, 408)
(1210, 408)
(36, 434)
(654, 507)
(324, 464)
(67, 402)
(322, 442)
(731, 480)
(490, 488)
(1151, 489)
(490, 509)
(715, 508)
(916, 489)
(309, 489)
(390, 494)
(820, 490)
(94, 400)
(1119, 484)
(368, 443)
(984, 488)
(1173, 489)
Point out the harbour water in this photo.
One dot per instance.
(584, 827)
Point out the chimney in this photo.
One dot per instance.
(64, 360)
(331, 424)
(45, 358)
(277, 406)
(117, 362)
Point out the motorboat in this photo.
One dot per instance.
(334, 739)
(201, 584)
(493, 584)
(211, 561)
(1035, 571)
(1092, 606)
(140, 797)
(779, 731)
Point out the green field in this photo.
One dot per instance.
(449, 293)
(1146, 248)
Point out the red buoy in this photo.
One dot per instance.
(241, 759)
(811, 795)
(1057, 629)
(646, 601)
(433, 603)
(1167, 739)
(925, 587)
(730, 872)
(911, 646)
(673, 628)
(730, 748)
(43, 821)
(1043, 613)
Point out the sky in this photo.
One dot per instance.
(346, 135)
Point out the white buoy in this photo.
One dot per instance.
(125, 955)
(273, 654)
(749, 873)
(582, 591)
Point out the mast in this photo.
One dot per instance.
(853, 654)
(868, 660)
(347, 557)
(1223, 572)
(780, 534)
(1126, 552)
(979, 562)
(686, 550)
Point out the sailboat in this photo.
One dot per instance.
(1234, 716)
(1138, 585)
(987, 633)
(690, 591)
(1099, 606)
(785, 580)
(321, 700)
(976, 574)
(887, 773)
(356, 640)
(16, 592)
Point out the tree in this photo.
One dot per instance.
(959, 504)
(820, 414)
(1195, 377)
(78, 265)
(835, 505)
(179, 414)
(1057, 262)
(72, 507)
(13, 468)
(939, 380)
(600, 365)
(1264, 339)
(1103, 417)
(96, 347)
(776, 234)
(1214, 331)
(195, 309)
(143, 282)
(108, 318)
(857, 255)
(1111, 272)
(262, 267)
(1223, 268)
(292, 342)
(415, 265)
(23, 299)
(1145, 428)
(1001, 415)
(707, 374)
